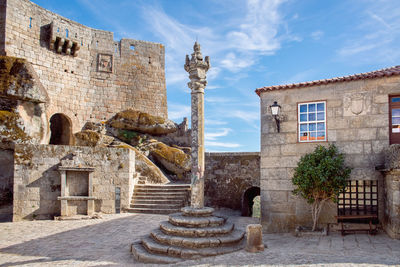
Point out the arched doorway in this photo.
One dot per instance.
(60, 128)
(248, 200)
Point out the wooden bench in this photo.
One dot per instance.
(369, 217)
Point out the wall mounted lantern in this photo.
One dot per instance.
(275, 110)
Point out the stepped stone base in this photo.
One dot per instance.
(159, 198)
(190, 234)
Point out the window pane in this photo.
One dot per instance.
(320, 116)
(396, 121)
(303, 136)
(396, 99)
(313, 136)
(303, 117)
(311, 107)
(320, 135)
(312, 126)
(303, 108)
(396, 112)
(320, 107)
(321, 126)
(311, 117)
(303, 127)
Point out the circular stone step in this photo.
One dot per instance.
(186, 253)
(171, 229)
(179, 220)
(198, 242)
(202, 212)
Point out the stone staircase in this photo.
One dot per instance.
(191, 234)
(158, 198)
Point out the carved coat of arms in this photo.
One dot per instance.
(357, 104)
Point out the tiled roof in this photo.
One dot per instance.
(361, 76)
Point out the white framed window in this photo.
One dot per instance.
(312, 121)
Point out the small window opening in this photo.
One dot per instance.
(132, 47)
(58, 29)
(66, 33)
(76, 35)
(97, 43)
(30, 23)
(149, 60)
(116, 48)
(72, 71)
(65, 70)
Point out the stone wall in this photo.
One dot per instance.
(37, 179)
(91, 76)
(360, 135)
(228, 176)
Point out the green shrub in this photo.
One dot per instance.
(320, 176)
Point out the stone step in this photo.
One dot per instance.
(155, 190)
(158, 197)
(168, 186)
(198, 242)
(153, 247)
(178, 201)
(179, 220)
(171, 229)
(197, 212)
(160, 193)
(142, 255)
(156, 206)
(151, 211)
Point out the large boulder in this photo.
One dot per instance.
(92, 138)
(173, 159)
(141, 122)
(11, 130)
(146, 167)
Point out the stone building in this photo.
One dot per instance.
(359, 114)
(56, 78)
(87, 75)
(56, 75)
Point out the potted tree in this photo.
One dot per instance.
(320, 176)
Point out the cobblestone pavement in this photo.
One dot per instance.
(106, 242)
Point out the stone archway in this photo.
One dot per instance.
(60, 130)
(248, 200)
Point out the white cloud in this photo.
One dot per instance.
(213, 136)
(375, 38)
(316, 35)
(178, 111)
(235, 64)
(221, 144)
(214, 122)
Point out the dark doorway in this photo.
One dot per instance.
(248, 200)
(60, 128)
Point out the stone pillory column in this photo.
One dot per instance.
(197, 69)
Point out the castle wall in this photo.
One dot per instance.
(228, 176)
(88, 75)
(360, 135)
(37, 181)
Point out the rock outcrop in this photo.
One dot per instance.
(92, 138)
(141, 122)
(173, 159)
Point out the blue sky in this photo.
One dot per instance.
(251, 44)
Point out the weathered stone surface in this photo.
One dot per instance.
(172, 158)
(228, 176)
(133, 120)
(92, 138)
(392, 157)
(254, 238)
(37, 181)
(19, 80)
(146, 167)
(197, 69)
(197, 212)
(190, 222)
(11, 129)
(171, 229)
